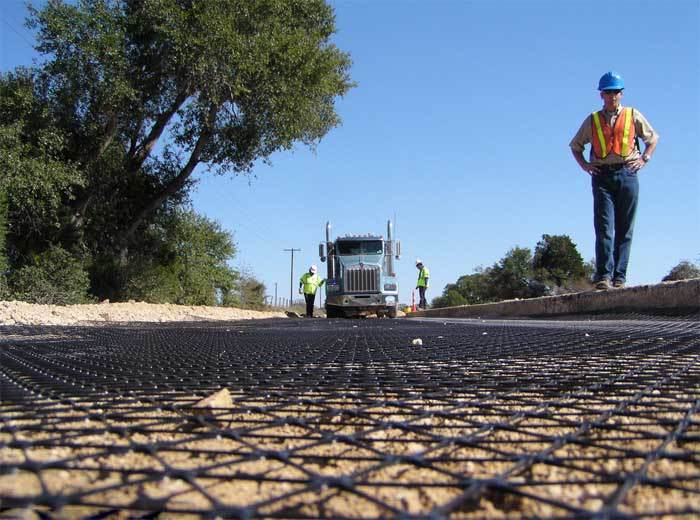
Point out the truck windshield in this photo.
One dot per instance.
(360, 247)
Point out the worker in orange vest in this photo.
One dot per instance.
(614, 163)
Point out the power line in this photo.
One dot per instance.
(243, 221)
(18, 33)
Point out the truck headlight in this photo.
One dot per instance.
(389, 286)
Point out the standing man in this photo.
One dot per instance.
(308, 284)
(614, 163)
(422, 285)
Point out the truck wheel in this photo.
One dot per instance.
(392, 312)
(332, 312)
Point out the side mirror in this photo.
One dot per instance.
(321, 252)
(398, 250)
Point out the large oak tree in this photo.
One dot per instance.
(148, 90)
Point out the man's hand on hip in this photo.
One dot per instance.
(636, 165)
(591, 169)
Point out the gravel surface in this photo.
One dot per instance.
(20, 313)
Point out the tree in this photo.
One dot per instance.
(683, 271)
(38, 178)
(451, 297)
(248, 292)
(186, 262)
(509, 278)
(3, 233)
(556, 258)
(168, 85)
(519, 275)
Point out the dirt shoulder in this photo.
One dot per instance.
(21, 313)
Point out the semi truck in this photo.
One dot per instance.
(361, 278)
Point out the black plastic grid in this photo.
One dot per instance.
(349, 419)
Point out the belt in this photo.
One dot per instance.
(610, 168)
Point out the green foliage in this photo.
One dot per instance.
(248, 293)
(509, 277)
(519, 275)
(450, 297)
(38, 179)
(186, 262)
(3, 255)
(469, 289)
(53, 277)
(224, 83)
(98, 144)
(557, 259)
(152, 284)
(683, 271)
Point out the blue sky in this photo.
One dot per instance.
(460, 127)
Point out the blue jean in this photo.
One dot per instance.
(615, 197)
(423, 303)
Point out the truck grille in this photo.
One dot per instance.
(362, 279)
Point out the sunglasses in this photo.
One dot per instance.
(612, 92)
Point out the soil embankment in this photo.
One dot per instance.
(21, 313)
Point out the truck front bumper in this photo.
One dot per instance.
(360, 301)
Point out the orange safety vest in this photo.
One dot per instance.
(619, 139)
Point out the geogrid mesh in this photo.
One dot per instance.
(348, 419)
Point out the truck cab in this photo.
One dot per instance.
(361, 278)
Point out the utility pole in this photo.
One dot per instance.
(291, 275)
(275, 294)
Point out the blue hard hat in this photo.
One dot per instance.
(611, 81)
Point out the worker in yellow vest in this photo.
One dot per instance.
(308, 284)
(614, 164)
(422, 284)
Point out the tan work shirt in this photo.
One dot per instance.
(584, 136)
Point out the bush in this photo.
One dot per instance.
(451, 297)
(683, 271)
(154, 284)
(54, 277)
(469, 289)
(247, 293)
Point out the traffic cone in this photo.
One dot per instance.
(413, 300)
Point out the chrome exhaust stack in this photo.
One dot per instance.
(328, 254)
(389, 250)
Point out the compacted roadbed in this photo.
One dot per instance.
(590, 417)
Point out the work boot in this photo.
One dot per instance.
(603, 285)
(618, 284)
